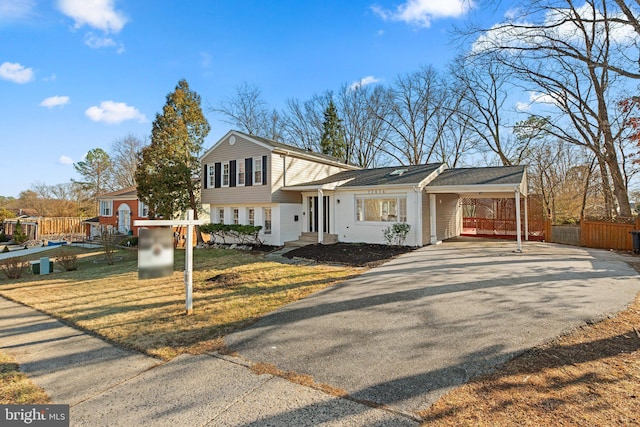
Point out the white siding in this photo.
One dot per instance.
(283, 226)
(350, 230)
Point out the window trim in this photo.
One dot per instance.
(109, 204)
(222, 174)
(257, 170)
(212, 176)
(239, 166)
(141, 208)
(397, 197)
(267, 230)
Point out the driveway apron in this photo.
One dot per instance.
(405, 333)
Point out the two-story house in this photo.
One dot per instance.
(291, 192)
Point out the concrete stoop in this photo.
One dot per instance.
(309, 238)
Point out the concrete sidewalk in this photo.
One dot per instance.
(24, 252)
(108, 386)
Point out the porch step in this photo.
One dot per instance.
(310, 238)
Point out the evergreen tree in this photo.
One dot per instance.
(332, 140)
(19, 236)
(96, 169)
(167, 166)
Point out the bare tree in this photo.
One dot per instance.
(250, 113)
(302, 121)
(362, 110)
(124, 155)
(576, 58)
(414, 101)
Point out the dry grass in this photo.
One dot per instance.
(587, 378)
(302, 379)
(148, 315)
(15, 387)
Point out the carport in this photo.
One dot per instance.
(480, 183)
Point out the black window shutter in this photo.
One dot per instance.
(248, 168)
(206, 177)
(232, 173)
(264, 170)
(218, 173)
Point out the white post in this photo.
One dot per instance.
(320, 215)
(526, 218)
(518, 224)
(432, 219)
(188, 263)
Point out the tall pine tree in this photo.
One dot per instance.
(332, 140)
(167, 167)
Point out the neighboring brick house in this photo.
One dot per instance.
(120, 209)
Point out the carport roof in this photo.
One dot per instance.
(476, 182)
(480, 176)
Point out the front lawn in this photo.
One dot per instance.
(231, 290)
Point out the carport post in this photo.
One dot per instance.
(432, 219)
(518, 224)
(320, 229)
(526, 218)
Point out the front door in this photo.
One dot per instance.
(124, 218)
(313, 214)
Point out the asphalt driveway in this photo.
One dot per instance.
(406, 332)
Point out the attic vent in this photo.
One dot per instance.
(398, 172)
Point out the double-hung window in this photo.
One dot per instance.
(225, 174)
(106, 207)
(252, 216)
(143, 210)
(212, 176)
(236, 215)
(240, 171)
(220, 215)
(267, 220)
(257, 170)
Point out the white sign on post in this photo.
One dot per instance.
(188, 258)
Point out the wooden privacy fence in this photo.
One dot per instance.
(38, 227)
(599, 234)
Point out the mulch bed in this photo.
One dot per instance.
(353, 254)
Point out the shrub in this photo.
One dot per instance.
(6, 249)
(3, 237)
(242, 234)
(68, 260)
(14, 268)
(107, 239)
(396, 233)
(130, 242)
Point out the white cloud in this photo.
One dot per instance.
(363, 82)
(95, 42)
(558, 24)
(55, 101)
(99, 14)
(114, 112)
(12, 10)
(15, 72)
(65, 160)
(543, 98)
(422, 12)
(523, 106)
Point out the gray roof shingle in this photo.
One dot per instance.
(379, 176)
(480, 176)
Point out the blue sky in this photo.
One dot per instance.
(79, 74)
